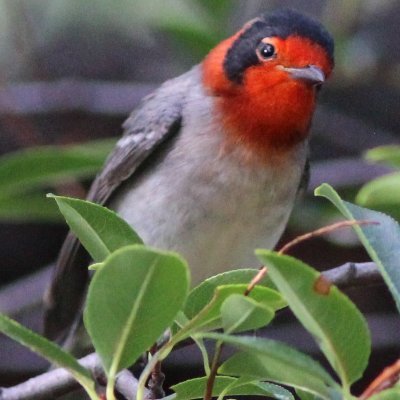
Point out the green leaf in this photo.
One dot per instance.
(194, 389)
(48, 350)
(180, 321)
(306, 395)
(131, 300)
(100, 230)
(28, 207)
(210, 316)
(389, 394)
(38, 167)
(266, 359)
(202, 294)
(336, 324)
(240, 314)
(382, 194)
(95, 266)
(389, 155)
(382, 241)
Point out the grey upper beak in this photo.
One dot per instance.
(311, 74)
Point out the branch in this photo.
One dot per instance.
(345, 276)
(58, 382)
(385, 380)
(13, 298)
(213, 372)
(354, 274)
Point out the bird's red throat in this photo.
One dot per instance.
(269, 112)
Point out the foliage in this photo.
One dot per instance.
(381, 241)
(26, 175)
(48, 350)
(142, 291)
(383, 193)
(325, 312)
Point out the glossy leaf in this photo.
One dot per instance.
(240, 314)
(335, 323)
(210, 316)
(389, 394)
(48, 350)
(306, 395)
(382, 241)
(131, 300)
(100, 230)
(202, 294)
(194, 389)
(266, 359)
(382, 194)
(389, 155)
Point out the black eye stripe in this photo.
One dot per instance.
(282, 24)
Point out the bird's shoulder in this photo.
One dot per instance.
(157, 117)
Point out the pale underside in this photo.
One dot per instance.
(206, 201)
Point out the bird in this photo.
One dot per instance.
(211, 162)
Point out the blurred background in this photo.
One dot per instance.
(72, 70)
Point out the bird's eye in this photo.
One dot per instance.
(266, 50)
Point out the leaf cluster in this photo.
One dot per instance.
(138, 293)
(383, 193)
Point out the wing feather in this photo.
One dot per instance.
(157, 118)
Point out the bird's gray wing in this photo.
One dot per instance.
(157, 118)
(305, 179)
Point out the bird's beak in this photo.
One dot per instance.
(311, 74)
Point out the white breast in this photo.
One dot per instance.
(207, 204)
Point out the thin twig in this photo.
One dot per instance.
(385, 380)
(156, 378)
(260, 275)
(213, 372)
(323, 231)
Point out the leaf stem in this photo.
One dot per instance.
(226, 390)
(110, 388)
(260, 275)
(213, 372)
(156, 378)
(386, 379)
(146, 373)
(204, 354)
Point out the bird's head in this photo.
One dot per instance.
(265, 78)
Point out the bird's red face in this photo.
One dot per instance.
(266, 100)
